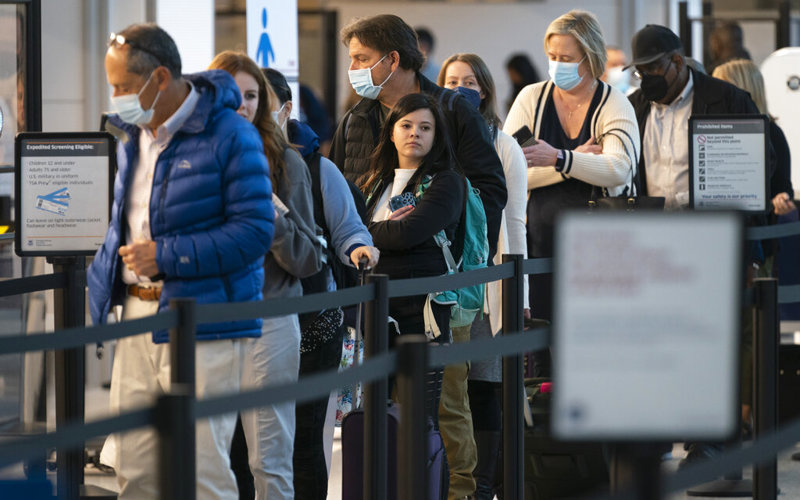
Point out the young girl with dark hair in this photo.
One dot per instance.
(414, 154)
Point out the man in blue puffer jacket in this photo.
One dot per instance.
(192, 217)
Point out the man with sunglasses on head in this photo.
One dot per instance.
(193, 218)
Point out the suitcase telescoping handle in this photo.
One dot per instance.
(362, 279)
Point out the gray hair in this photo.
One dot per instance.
(150, 47)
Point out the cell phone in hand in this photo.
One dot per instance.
(524, 137)
(402, 200)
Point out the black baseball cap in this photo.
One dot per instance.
(652, 42)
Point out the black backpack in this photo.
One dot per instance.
(345, 276)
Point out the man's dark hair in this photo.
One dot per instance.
(278, 83)
(151, 47)
(386, 33)
(425, 36)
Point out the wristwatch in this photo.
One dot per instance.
(559, 160)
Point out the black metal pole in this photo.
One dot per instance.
(69, 304)
(766, 343)
(513, 387)
(685, 27)
(176, 410)
(783, 25)
(412, 361)
(376, 342)
(708, 26)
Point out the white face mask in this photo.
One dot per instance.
(129, 108)
(619, 79)
(276, 116)
(361, 81)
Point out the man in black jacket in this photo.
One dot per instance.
(670, 93)
(384, 50)
(385, 62)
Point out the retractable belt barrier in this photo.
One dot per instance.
(320, 385)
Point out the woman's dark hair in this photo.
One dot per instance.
(522, 64)
(384, 160)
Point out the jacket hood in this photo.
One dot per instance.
(302, 136)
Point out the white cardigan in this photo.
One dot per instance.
(512, 238)
(613, 124)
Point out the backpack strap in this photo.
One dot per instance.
(316, 191)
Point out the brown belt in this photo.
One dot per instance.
(145, 292)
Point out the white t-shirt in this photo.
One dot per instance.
(396, 187)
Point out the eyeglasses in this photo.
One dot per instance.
(120, 40)
(639, 74)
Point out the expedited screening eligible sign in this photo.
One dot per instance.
(63, 192)
(728, 158)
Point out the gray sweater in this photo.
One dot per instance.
(296, 252)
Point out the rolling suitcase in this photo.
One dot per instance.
(558, 469)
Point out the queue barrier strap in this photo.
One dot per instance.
(30, 284)
(479, 349)
(774, 231)
(270, 308)
(423, 286)
(79, 336)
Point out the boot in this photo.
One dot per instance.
(488, 443)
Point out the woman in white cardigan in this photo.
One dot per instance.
(588, 140)
(468, 74)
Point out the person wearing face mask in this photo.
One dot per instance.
(338, 210)
(385, 62)
(587, 141)
(670, 92)
(177, 231)
(616, 73)
(472, 407)
(296, 253)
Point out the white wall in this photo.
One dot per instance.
(62, 65)
(494, 31)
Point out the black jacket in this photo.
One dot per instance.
(711, 97)
(357, 136)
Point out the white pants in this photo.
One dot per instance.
(141, 373)
(272, 359)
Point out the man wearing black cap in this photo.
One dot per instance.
(669, 94)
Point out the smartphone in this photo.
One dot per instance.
(524, 137)
(402, 200)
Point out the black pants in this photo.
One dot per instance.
(310, 468)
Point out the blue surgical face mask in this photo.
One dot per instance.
(361, 80)
(618, 78)
(129, 108)
(565, 74)
(471, 95)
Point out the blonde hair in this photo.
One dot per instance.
(583, 26)
(745, 75)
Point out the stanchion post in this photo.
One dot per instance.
(376, 342)
(513, 387)
(176, 411)
(412, 360)
(766, 343)
(70, 367)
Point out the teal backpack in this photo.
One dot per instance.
(472, 238)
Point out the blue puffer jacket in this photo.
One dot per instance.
(211, 212)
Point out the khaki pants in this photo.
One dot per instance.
(455, 424)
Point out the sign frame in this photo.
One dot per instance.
(621, 383)
(19, 175)
(729, 120)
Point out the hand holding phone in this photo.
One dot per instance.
(525, 137)
(402, 200)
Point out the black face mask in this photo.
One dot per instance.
(655, 87)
